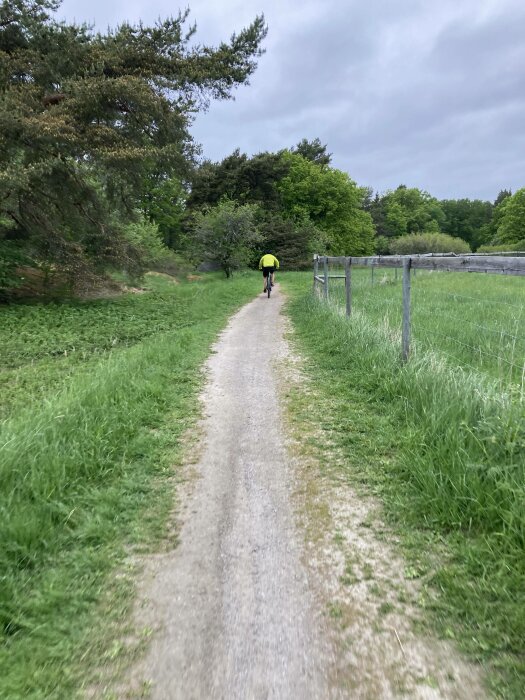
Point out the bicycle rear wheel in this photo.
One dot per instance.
(269, 286)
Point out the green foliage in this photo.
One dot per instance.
(331, 201)
(467, 219)
(293, 244)
(406, 210)
(396, 219)
(12, 257)
(502, 194)
(383, 245)
(246, 180)
(410, 210)
(164, 203)
(314, 151)
(503, 247)
(87, 469)
(146, 238)
(85, 119)
(227, 234)
(254, 181)
(510, 219)
(428, 243)
(303, 203)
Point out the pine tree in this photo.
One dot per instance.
(85, 117)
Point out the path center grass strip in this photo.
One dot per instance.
(449, 465)
(86, 474)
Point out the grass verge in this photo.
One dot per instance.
(87, 472)
(447, 455)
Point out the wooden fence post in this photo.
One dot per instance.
(326, 277)
(316, 272)
(348, 285)
(406, 308)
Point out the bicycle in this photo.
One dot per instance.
(269, 284)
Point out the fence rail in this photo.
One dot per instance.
(494, 264)
(446, 262)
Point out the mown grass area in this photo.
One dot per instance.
(445, 449)
(473, 320)
(87, 466)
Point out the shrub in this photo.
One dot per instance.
(227, 234)
(144, 235)
(11, 259)
(502, 247)
(383, 245)
(428, 243)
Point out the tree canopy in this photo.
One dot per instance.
(314, 151)
(411, 210)
(467, 219)
(510, 217)
(304, 205)
(227, 234)
(247, 180)
(85, 117)
(331, 201)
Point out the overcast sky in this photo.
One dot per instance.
(428, 93)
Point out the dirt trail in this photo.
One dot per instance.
(243, 607)
(232, 601)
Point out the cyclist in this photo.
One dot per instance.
(268, 264)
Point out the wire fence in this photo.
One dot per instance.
(476, 321)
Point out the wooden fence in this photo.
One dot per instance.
(447, 262)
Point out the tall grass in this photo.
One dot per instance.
(473, 320)
(83, 474)
(457, 469)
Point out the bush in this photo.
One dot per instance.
(503, 247)
(428, 243)
(144, 235)
(227, 234)
(383, 245)
(12, 258)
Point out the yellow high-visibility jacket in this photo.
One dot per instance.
(268, 260)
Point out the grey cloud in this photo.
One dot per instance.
(485, 46)
(426, 92)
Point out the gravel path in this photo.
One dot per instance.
(234, 612)
(232, 603)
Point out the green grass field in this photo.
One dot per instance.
(476, 321)
(442, 444)
(95, 399)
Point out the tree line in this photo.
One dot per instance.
(408, 217)
(294, 202)
(98, 169)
